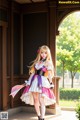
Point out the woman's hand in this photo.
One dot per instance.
(24, 84)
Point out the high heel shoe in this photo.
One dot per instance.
(39, 118)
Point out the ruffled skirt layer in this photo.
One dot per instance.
(44, 91)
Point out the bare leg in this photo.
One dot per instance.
(36, 102)
(42, 105)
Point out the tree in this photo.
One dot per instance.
(64, 57)
(68, 45)
(74, 65)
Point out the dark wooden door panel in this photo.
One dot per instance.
(0, 68)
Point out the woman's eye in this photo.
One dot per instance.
(43, 52)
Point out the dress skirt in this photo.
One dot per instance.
(44, 90)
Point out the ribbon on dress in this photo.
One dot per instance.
(15, 89)
(38, 74)
(39, 80)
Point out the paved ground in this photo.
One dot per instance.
(65, 115)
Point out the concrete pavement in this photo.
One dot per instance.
(18, 114)
(65, 115)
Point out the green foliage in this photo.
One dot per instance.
(69, 93)
(68, 44)
(78, 111)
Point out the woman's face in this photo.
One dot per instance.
(43, 54)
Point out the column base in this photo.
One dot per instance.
(54, 110)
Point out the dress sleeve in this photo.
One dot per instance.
(48, 66)
(50, 71)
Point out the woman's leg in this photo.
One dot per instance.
(42, 105)
(36, 102)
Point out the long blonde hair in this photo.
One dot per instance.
(38, 58)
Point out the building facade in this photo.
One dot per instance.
(23, 28)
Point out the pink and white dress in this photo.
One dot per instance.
(38, 83)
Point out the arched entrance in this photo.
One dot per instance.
(69, 38)
(67, 79)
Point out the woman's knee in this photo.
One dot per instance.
(35, 97)
(41, 100)
(36, 100)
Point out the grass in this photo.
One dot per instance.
(68, 103)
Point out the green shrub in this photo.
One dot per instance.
(78, 111)
(69, 93)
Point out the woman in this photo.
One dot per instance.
(38, 91)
